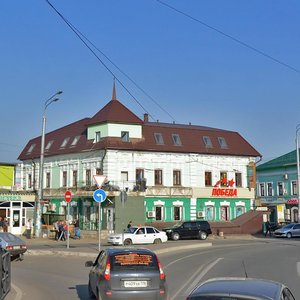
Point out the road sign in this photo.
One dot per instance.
(99, 195)
(68, 196)
(100, 179)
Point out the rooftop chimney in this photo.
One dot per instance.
(146, 118)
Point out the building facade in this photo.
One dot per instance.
(156, 172)
(277, 187)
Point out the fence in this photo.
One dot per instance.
(5, 275)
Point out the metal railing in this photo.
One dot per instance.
(5, 283)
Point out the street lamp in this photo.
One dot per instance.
(52, 99)
(298, 171)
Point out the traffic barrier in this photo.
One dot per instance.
(5, 275)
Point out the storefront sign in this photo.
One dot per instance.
(224, 188)
(10, 198)
(292, 201)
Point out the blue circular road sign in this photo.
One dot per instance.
(99, 195)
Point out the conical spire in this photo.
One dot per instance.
(114, 94)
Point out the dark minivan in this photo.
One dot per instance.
(189, 230)
(127, 273)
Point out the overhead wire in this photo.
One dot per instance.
(87, 41)
(229, 36)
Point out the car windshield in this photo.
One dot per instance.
(133, 260)
(8, 237)
(288, 226)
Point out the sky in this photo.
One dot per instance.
(231, 64)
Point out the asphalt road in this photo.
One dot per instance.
(65, 277)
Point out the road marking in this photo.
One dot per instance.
(298, 268)
(194, 280)
(18, 292)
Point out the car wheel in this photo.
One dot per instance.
(128, 242)
(202, 235)
(157, 241)
(175, 236)
(91, 294)
(289, 235)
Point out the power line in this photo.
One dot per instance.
(230, 37)
(85, 41)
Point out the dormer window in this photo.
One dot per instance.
(207, 142)
(48, 146)
(32, 146)
(75, 141)
(159, 138)
(125, 136)
(176, 139)
(64, 143)
(222, 143)
(97, 136)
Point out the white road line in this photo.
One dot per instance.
(298, 268)
(190, 284)
(19, 293)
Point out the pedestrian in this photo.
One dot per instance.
(55, 225)
(5, 225)
(76, 230)
(1, 224)
(129, 224)
(61, 231)
(28, 229)
(268, 229)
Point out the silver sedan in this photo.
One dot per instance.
(289, 231)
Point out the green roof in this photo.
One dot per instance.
(285, 160)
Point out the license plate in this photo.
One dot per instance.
(16, 247)
(132, 283)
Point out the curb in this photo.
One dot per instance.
(88, 254)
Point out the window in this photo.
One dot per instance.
(48, 146)
(64, 143)
(222, 143)
(208, 176)
(238, 179)
(64, 178)
(177, 213)
(158, 138)
(32, 146)
(29, 181)
(224, 213)
(280, 189)
(158, 177)
(97, 136)
(270, 189)
(125, 136)
(159, 213)
(209, 213)
(176, 139)
(75, 141)
(223, 178)
(88, 177)
(207, 142)
(262, 189)
(239, 210)
(139, 174)
(124, 176)
(75, 177)
(294, 188)
(48, 180)
(176, 177)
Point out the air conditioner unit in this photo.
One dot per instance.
(201, 214)
(151, 214)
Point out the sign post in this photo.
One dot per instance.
(68, 197)
(99, 196)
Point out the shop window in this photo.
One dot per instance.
(208, 178)
(224, 213)
(158, 177)
(238, 179)
(177, 213)
(176, 177)
(159, 213)
(239, 210)
(209, 213)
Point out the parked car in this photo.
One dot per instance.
(127, 273)
(13, 244)
(289, 231)
(138, 235)
(241, 288)
(189, 230)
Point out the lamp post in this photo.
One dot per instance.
(52, 99)
(298, 171)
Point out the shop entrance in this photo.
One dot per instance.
(16, 224)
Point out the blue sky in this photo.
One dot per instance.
(195, 74)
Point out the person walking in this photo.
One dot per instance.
(5, 225)
(129, 224)
(268, 229)
(55, 225)
(28, 229)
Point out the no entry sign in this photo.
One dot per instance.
(68, 196)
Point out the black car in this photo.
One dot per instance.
(189, 230)
(127, 273)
